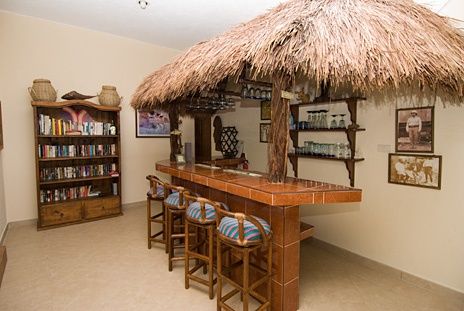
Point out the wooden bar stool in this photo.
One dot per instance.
(156, 193)
(244, 234)
(175, 210)
(200, 214)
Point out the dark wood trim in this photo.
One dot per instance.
(74, 102)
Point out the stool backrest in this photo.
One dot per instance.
(189, 199)
(154, 183)
(241, 217)
(168, 189)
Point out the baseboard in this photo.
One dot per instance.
(3, 260)
(134, 204)
(3, 236)
(377, 266)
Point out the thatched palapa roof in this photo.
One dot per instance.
(370, 45)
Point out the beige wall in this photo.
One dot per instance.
(73, 59)
(3, 221)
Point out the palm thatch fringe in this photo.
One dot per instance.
(371, 45)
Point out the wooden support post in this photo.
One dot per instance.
(174, 124)
(278, 146)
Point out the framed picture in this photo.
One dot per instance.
(415, 170)
(264, 131)
(414, 130)
(154, 123)
(265, 110)
(1, 128)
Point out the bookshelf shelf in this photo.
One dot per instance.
(78, 136)
(70, 180)
(77, 158)
(69, 201)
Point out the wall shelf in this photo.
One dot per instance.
(350, 133)
(77, 158)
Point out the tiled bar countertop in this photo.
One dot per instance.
(293, 192)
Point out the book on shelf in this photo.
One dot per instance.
(59, 127)
(62, 151)
(72, 172)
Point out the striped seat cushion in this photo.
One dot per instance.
(229, 228)
(172, 199)
(159, 192)
(194, 211)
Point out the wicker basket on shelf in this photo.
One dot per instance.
(109, 96)
(42, 90)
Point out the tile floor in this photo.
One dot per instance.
(106, 265)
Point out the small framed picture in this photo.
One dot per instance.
(264, 131)
(154, 123)
(414, 130)
(180, 159)
(415, 170)
(265, 110)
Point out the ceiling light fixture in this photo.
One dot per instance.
(143, 4)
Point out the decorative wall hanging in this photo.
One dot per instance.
(415, 170)
(266, 110)
(229, 141)
(153, 123)
(414, 130)
(217, 124)
(264, 131)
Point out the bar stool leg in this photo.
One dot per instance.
(246, 272)
(165, 227)
(149, 222)
(269, 273)
(219, 273)
(210, 262)
(187, 246)
(171, 241)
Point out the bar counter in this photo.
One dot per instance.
(276, 203)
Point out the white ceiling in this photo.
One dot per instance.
(173, 23)
(177, 24)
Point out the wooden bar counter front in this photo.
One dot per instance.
(252, 194)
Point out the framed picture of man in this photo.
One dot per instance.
(154, 123)
(415, 170)
(264, 131)
(414, 130)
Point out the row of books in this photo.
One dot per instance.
(52, 126)
(58, 151)
(69, 172)
(63, 194)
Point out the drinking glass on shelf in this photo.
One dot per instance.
(251, 93)
(347, 151)
(340, 150)
(332, 148)
(323, 124)
(244, 92)
(257, 93)
(269, 95)
(341, 123)
(334, 124)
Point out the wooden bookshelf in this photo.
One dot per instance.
(63, 200)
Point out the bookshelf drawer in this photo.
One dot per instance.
(60, 213)
(102, 207)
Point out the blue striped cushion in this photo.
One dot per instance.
(159, 192)
(194, 211)
(229, 228)
(172, 199)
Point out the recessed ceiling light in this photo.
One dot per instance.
(143, 4)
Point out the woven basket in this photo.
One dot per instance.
(109, 96)
(42, 90)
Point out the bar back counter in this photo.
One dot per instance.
(251, 193)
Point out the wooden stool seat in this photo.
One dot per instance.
(156, 193)
(245, 235)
